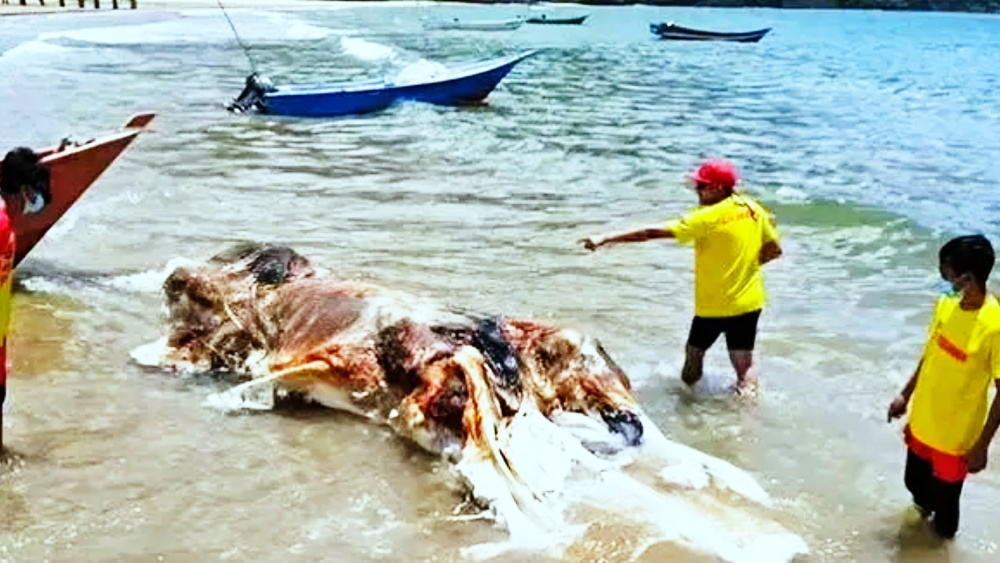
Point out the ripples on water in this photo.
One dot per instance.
(872, 135)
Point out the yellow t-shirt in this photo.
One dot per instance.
(5, 307)
(727, 240)
(961, 360)
(8, 249)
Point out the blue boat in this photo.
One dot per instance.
(461, 85)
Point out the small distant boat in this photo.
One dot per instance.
(545, 19)
(481, 25)
(461, 85)
(675, 32)
(72, 169)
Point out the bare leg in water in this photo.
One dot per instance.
(3, 397)
(746, 372)
(742, 360)
(3, 385)
(694, 359)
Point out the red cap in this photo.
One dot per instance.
(717, 173)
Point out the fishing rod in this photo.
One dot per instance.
(246, 50)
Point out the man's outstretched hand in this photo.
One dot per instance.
(591, 243)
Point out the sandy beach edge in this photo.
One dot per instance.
(34, 7)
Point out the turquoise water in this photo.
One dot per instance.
(872, 135)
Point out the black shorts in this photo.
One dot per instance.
(741, 331)
(932, 494)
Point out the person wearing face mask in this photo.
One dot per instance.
(950, 424)
(733, 236)
(24, 186)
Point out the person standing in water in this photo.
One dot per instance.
(949, 430)
(24, 185)
(733, 236)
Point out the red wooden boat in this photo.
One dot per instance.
(72, 169)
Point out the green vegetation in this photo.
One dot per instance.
(925, 5)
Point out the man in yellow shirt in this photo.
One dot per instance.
(733, 237)
(949, 429)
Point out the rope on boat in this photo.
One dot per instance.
(246, 50)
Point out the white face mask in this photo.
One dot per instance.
(33, 203)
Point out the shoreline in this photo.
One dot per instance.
(955, 6)
(33, 8)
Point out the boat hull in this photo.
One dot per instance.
(677, 33)
(458, 91)
(328, 104)
(557, 21)
(464, 86)
(72, 170)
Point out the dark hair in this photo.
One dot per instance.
(21, 167)
(969, 254)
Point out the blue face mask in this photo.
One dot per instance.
(945, 287)
(33, 203)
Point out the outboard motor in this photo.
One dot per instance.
(252, 96)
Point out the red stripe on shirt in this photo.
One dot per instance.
(952, 350)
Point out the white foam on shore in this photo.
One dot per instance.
(42, 284)
(556, 490)
(34, 48)
(151, 355)
(206, 26)
(186, 31)
(151, 280)
(199, 27)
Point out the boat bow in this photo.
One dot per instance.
(73, 168)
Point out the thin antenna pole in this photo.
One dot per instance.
(246, 50)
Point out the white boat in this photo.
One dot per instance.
(474, 25)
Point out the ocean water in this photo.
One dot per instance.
(873, 136)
